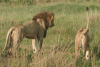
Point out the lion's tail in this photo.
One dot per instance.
(8, 35)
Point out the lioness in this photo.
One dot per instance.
(36, 28)
(82, 41)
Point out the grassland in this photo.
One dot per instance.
(58, 47)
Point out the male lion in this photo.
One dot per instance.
(36, 28)
(82, 41)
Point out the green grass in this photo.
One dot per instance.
(58, 47)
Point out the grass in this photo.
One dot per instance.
(58, 47)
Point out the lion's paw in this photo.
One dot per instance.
(34, 50)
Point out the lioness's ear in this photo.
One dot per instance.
(41, 22)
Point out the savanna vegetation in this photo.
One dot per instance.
(58, 47)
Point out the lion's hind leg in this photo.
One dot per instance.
(17, 38)
(16, 44)
(10, 47)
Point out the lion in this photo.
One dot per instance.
(36, 28)
(82, 40)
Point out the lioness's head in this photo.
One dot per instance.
(47, 17)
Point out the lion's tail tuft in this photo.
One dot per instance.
(8, 35)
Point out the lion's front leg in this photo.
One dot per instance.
(33, 46)
(40, 43)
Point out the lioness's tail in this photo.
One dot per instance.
(8, 35)
(87, 9)
(87, 28)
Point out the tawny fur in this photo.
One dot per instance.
(36, 28)
(82, 40)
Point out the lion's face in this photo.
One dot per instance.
(51, 22)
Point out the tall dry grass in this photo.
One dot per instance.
(58, 47)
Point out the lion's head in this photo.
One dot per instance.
(46, 18)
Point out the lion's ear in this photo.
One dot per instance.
(51, 15)
(41, 22)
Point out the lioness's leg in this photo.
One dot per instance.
(77, 48)
(77, 52)
(87, 52)
(84, 50)
(33, 46)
